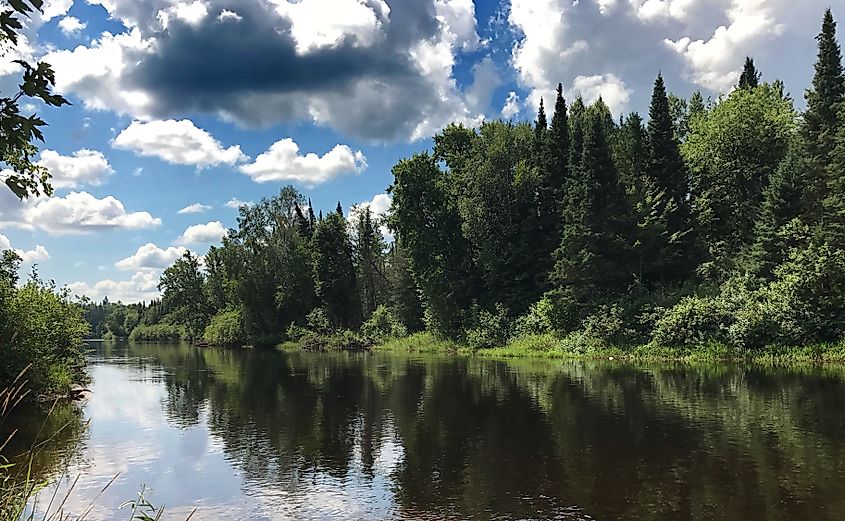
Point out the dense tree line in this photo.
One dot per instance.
(282, 273)
(711, 221)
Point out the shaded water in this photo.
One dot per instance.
(267, 435)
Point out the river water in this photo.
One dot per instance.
(260, 435)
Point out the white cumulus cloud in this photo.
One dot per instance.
(37, 254)
(610, 88)
(512, 105)
(177, 142)
(236, 203)
(203, 233)
(142, 287)
(71, 26)
(151, 257)
(283, 162)
(74, 213)
(84, 167)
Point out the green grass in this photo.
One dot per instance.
(421, 343)
(583, 347)
(579, 346)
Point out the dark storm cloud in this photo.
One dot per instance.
(249, 70)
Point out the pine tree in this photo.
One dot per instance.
(750, 77)
(339, 209)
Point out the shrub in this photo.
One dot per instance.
(537, 321)
(157, 333)
(693, 322)
(225, 329)
(383, 325)
(318, 322)
(40, 327)
(608, 325)
(492, 329)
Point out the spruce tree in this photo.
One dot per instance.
(827, 92)
(559, 145)
(576, 133)
(541, 125)
(667, 189)
(782, 202)
(750, 77)
(302, 223)
(334, 272)
(821, 121)
(592, 264)
(696, 105)
(312, 221)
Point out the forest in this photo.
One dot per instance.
(708, 223)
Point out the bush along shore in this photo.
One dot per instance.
(713, 228)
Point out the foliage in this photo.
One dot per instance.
(183, 291)
(225, 329)
(157, 333)
(334, 271)
(490, 328)
(42, 329)
(18, 133)
(732, 151)
(383, 325)
(714, 227)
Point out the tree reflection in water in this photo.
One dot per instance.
(436, 437)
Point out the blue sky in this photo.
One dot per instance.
(182, 108)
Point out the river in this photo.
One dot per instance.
(261, 435)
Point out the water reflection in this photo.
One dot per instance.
(265, 435)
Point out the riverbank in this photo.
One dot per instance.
(580, 346)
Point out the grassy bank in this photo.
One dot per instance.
(580, 346)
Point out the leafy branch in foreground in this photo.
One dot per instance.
(18, 132)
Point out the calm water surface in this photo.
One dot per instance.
(266, 435)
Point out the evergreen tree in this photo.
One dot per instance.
(369, 260)
(591, 266)
(559, 147)
(339, 209)
(541, 125)
(750, 77)
(696, 105)
(302, 223)
(334, 272)
(782, 202)
(667, 190)
(821, 123)
(576, 133)
(312, 221)
(827, 92)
